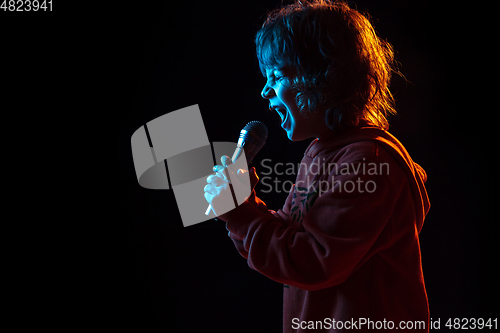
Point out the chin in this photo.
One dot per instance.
(294, 136)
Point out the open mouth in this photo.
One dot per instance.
(281, 112)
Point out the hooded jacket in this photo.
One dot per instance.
(346, 242)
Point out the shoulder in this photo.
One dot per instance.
(357, 152)
(366, 159)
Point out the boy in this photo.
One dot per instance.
(345, 244)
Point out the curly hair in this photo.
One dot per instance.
(340, 65)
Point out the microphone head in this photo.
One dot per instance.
(252, 138)
(257, 129)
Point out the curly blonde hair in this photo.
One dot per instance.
(340, 65)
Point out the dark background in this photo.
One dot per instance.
(166, 56)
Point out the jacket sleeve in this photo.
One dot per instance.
(342, 230)
(262, 207)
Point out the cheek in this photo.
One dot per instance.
(287, 96)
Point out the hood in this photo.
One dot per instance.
(415, 173)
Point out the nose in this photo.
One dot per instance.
(267, 92)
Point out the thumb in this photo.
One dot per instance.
(254, 178)
(252, 174)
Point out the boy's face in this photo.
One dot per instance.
(298, 126)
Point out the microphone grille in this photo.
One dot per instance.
(257, 128)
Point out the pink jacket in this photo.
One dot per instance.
(345, 244)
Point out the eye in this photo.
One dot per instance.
(282, 79)
(277, 76)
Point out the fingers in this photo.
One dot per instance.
(216, 183)
(214, 189)
(209, 197)
(219, 184)
(226, 161)
(218, 168)
(216, 180)
(219, 181)
(210, 189)
(221, 170)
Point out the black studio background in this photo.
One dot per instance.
(168, 55)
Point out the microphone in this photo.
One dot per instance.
(252, 138)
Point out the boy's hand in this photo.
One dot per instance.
(218, 189)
